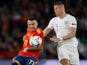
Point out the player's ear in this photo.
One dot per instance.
(28, 22)
(36, 23)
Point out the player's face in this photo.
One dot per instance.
(32, 25)
(58, 9)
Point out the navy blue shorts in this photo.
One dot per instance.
(25, 60)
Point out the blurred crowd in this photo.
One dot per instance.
(13, 24)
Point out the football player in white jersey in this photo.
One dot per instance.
(65, 26)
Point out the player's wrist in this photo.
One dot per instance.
(26, 50)
(61, 39)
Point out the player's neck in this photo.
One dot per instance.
(62, 15)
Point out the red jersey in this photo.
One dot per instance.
(28, 35)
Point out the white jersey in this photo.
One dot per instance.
(61, 28)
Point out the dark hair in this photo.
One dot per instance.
(32, 18)
(58, 3)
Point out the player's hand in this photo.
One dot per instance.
(55, 39)
(26, 50)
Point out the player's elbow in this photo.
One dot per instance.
(44, 33)
(41, 48)
(73, 35)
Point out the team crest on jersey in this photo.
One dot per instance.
(38, 31)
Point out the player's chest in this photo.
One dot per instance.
(61, 24)
(29, 35)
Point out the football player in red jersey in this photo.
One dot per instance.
(29, 55)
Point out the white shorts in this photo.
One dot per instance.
(68, 52)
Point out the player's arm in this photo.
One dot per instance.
(27, 49)
(39, 48)
(71, 34)
(46, 31)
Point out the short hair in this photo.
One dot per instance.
(32, 18)
(58, 3)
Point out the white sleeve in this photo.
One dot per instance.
(50, 25)
(73, 22)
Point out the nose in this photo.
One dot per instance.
(31, 26)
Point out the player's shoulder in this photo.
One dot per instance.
(71, 16)
(53, 19)
(39, 30)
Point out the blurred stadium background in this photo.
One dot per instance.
(13, 19)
